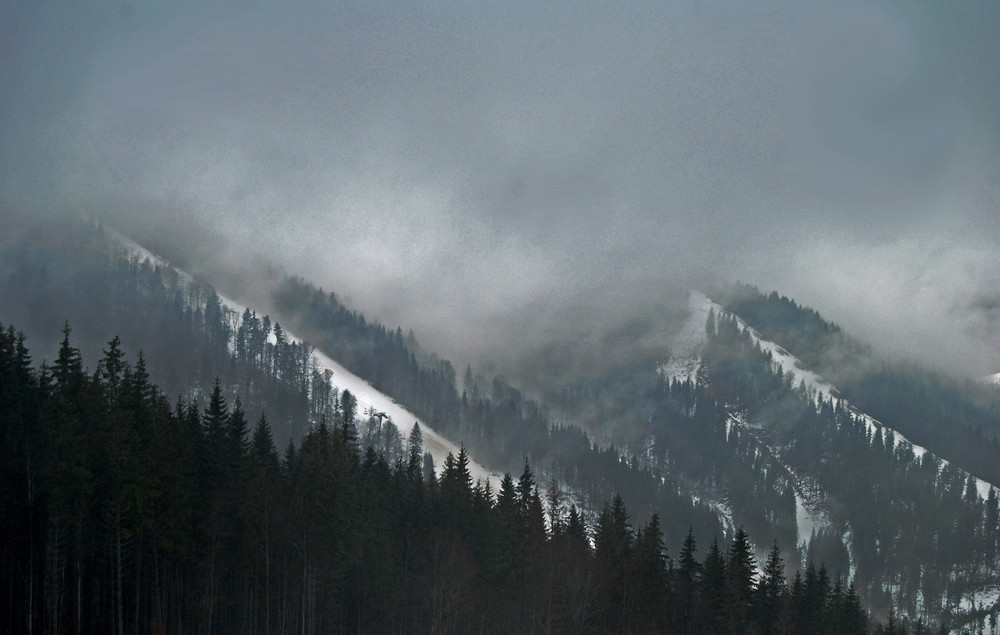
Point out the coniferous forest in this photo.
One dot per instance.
(126, 512)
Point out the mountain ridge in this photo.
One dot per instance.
(680, 368)
(371, 400)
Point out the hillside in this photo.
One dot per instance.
(732, 431)
(775, 447)
(189, 337)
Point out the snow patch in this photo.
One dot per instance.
(807, 520)
(684, 361)
(991, 379)
(983, 599)
(722, 510)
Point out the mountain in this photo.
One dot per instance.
(780, 450)
(121, 511)
(374, 405)
(179, 518)
(744, 426)
(106, 285)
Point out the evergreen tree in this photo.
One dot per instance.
(741, 567)
(612, 552)
(415, 451)
(688, 574)
(769, 593)
(689, 567)
(713, 592)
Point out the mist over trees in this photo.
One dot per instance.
(189, 339)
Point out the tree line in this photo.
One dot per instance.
(128, 513)
(685, 452)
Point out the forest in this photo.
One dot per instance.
(747, 437)
(127, 512)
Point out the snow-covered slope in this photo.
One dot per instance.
(685, 364)
(688, 345)
(991, 379)
(369, 399)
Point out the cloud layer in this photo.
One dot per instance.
(484, 174)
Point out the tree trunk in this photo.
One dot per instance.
(267, 577)
(55, 569)
(210, 591)
(118, 573)
(79, 579)
(305, 585)
(138, 587)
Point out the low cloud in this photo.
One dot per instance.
(488, 175)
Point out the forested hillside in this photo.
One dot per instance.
(770, 454)
(127, 513)
(188, 339)
(959, 419)
(898, 508)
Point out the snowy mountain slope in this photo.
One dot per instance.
(369, 399)
(684, 365)
(991, 379)
(809, 513)
(692, 338)
(815, 508)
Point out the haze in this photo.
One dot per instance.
(489, 174)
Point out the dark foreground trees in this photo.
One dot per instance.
(124, 512)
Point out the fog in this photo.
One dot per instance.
(499, 177)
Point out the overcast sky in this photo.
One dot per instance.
(463, 168)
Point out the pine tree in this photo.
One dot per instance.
(741, 567)
(428, 469)
(113, 368)
(649, 581)
(688, 566)
(554, 499)
(713, 592)
(216, 413)
(688, 574)
(68, 367)
(612, 552)
(769, 592)
(236, 436)
(348, 427)
(525, 487)
(415, 451)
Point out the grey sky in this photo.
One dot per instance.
(463, 169)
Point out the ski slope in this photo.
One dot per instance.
(368, 398)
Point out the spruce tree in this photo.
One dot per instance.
(767, 600)
(713, 592)
(741, 567)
